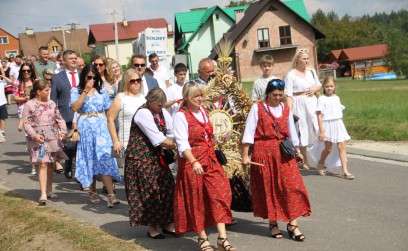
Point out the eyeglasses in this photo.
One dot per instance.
(26, 71)
(135, 81)
(100, 65)
(91, 77)
(139, 65)
(276, 83)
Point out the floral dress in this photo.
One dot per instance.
(148, 180)
(45, 120)
(278, 192)
(93, 154)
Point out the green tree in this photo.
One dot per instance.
(397, 57)
(238, 3)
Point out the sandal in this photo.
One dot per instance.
(321, 169)
(112, 200)
(82, 188)
(43, 200)
(201, 242)
(278, 235)
(303, 166)
(58, 170)
(94, 198)
(223, 246)
(292, 233)
(348, 176)
(52, 195)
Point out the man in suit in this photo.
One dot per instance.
(60, 94)
(206, 68)
(139, 64)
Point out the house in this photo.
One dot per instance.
(361, 61)
(280, 29)
(102, 37)
(198, 31)
(8, 44)
(57, 40)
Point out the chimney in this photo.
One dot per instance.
(239, 14)
(29, 31)
(56, 28)
(125, 23)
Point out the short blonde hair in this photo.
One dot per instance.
(190, 90)
(156, 96)
(127, 76)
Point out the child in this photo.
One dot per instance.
(3, 106)
(174, 92)
(330, 150)
(45, 129)
(259, 86)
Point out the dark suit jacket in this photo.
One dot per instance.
(60, 94)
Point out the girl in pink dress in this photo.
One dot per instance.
(45, 129)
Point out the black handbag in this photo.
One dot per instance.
(115, 154)
(168, 156)
(221, 157)
(287, 148)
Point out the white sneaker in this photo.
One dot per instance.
(34, 171)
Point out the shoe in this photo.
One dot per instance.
(201, 242)
(105, 191)
(348, 176)
(68, 174)
(68, 169)
(233, 222)
(292, 234)
(94, 198)
(156, 237)
(321, 170)
(34, 171)
(223, 246)
(165, 231)
(278, 235)
(52, 195)
(112, 200)
(43, 200)
(303, 166)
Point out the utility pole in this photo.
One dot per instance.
(115, 27)
(73, 27)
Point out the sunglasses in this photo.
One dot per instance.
(192, 83)
(100, 65)
(28, 71)
(276, 83)
(135, 81)
(91, 77)
(139, 65)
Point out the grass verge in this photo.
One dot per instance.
(26, 226)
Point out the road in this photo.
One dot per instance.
(368, 213)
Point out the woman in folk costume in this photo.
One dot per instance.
(203, 194)
(278, 192)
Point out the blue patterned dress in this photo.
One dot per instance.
(94, 148)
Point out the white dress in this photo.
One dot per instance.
(303, 106)
(128, 107)
(334, 129)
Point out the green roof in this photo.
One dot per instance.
(299, 7)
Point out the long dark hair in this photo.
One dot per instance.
(33, 75)
(82, 78)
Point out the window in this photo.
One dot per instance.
(55, 49)
(4, 40)
(8, 53)
(263, 38)
(284, 34)
(217, 17)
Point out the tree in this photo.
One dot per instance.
(397, 57)
(238, 3)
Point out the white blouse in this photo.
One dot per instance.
(330, 107)
(144, 119)
(252, 122)
(295, 83)
(180, 126)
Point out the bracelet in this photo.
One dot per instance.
(192, 163)
(85, 91)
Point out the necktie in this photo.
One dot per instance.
(73, 80)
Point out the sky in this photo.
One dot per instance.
(41, 15)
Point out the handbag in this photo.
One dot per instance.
(120, 155)
(73, 135)
(168, 156)
(287, 148)
(221, 157)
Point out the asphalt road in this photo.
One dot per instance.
(368, 213)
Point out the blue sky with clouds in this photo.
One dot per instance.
(16, 15)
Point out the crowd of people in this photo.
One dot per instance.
(134, 121)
